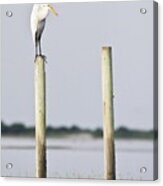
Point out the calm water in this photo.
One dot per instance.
(78, 158)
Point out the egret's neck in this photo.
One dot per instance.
(43, 13)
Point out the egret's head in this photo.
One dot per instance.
(49, 7)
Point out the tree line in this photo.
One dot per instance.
(19, 129)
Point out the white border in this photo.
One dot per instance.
(42, 182)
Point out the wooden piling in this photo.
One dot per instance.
(108, 115)
(40, 117)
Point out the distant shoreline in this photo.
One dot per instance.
(20, 130)
(80, 136)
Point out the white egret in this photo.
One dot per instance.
(38, 20)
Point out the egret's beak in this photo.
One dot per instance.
(51, 8)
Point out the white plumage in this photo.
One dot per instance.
(38, 20)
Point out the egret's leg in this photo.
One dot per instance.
(36, 46)
(36, 51)
(36, 54)
(40, 51)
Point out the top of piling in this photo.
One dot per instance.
(40, 59)
(106, 48)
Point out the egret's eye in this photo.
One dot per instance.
(44, 6)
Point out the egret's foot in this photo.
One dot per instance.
(44, 57)
(36, 56)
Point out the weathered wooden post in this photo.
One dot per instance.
(40, 117)
(108, 118)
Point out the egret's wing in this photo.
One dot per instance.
(40, 28)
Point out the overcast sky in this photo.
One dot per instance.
(72, 43)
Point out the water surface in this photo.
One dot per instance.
(78, 158)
